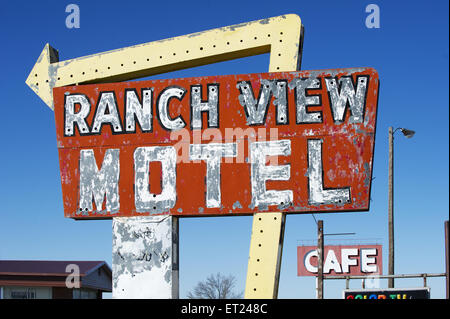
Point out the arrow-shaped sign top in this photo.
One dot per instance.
(281, 36)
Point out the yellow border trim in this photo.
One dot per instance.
(281, 36)
(264, 262)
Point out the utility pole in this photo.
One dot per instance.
(320, 259)
(446, 259)
(408, 134)
(391, 208)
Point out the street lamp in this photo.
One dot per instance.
(408, 134)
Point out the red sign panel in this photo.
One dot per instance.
(341, 260)
(295, 142)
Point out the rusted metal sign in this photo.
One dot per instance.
(341, 260)
(295, 142)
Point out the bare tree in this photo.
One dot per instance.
(215, 287)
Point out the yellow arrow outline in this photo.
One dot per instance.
(281, 36)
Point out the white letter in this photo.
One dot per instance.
(303, 100)
(255, 110)
(317, 194)
(163, 108)
(79, 118)
(344, 94)
(331, 263)
(373, 19)
(135, 110)
(260, 173)
(144, 200)
(212, 154)
(98, 183)
(307, 261)
(107, 100)
(366, 260)
(346, 261)
(73, 19)
(211, 106)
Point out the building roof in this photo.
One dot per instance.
(47, 267)
(54, 273)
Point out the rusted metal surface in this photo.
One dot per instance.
(172, 147)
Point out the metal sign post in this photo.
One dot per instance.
(145, 257)
(320, 254)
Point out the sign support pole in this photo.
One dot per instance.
(266, 243)
(264, 261)
(145, 257)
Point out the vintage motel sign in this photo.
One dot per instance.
(280, 36)
(294, 142)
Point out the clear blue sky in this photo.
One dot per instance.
(409, 51)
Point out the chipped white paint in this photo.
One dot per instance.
(107, 113)
(150, 202)
(99, 183)
(343, 93)
(260, 173)
(79, 118)
(303, 100)
(211, 106)
(281, 102)
(212, 153)
(145, 257)
(318, 195)
(134, 109)
(163, 108)
(256, 109)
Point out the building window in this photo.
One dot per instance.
(81, 293)
(23, 294)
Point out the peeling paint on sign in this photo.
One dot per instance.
(295, 142)
(143, 258)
